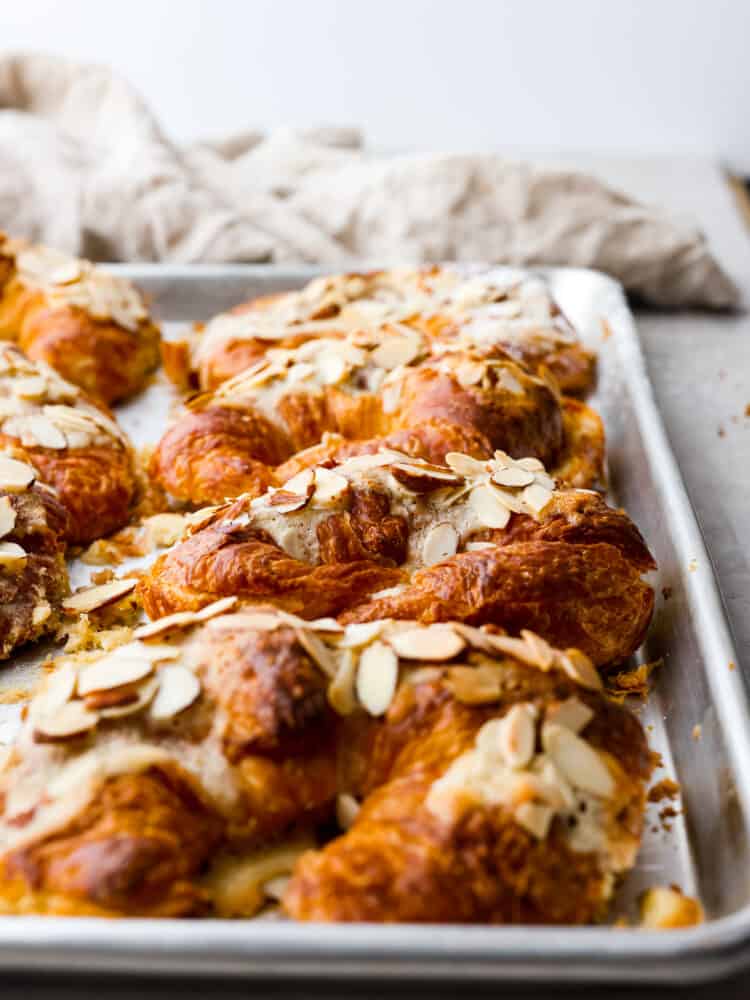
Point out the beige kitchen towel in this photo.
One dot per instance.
(85, 166)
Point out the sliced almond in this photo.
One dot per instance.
(7, 516)
(145, 695)
(539, 648)
(377, 675)
(516, 735)
(424, 478)
(58, 690)
(15, 476)
(178, 689)
(341, 690)
(578, 761)
(123, 666)
(427, 642)
(41, 613)
(275, 888)
(330, 488)
(536, 497)
(184, 619)
(72, 719)
(512, 476)
(571, 713)
(441, 542)
(302, 484)
(360, 634)
(580, 669)
(474, 685)
(286, 503)
(31, 387)
(331, 369)
(488, 507)
(663, 908)
(534, 818)
(36, 430)
(98, 597)
(390, 395)
(479, 546)
(470, 373)
(347, 808)
(464, 465)
(396, 351)
(12, 556)
(318, 651)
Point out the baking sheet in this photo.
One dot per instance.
(706, 850)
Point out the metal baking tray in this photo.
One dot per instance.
(706, 852)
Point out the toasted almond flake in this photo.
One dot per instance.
(165, 529)
(479, 546)
(98, 597)
(516, 735)
(424, 478)
(184, 619)
(470, 373)
(474, 685)
(219, 607)
(577, 760)
(360, 634)
(145, 695)
(178, 689)
(72, 719)
(341, 695)
(539, 648)
(7, 516)
(31, 387)
(261, 621)
(464, 465)
(318, 651)
(59, 689)
(425, 675)
(571, 713)
(41, 613)
(580, 669)
(15, 476)
(286, 503)
(122, 666)
(396, 351)
(377, 675)
(441, 542)
(512, 476)
(534, 818)
(488, 507)
(37, 430)
(12, 556)
(476, 637)
(427, 642)
(537, 497)
(330, 488)
(347, 808)
(302, 484)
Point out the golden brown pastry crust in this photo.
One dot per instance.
(224, 446)
(91, 465)
(427, 299)
(573, 574)
(402, 863)
(31, 592)
(102, 356)
(261, 752)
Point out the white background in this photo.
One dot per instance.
(643, 76)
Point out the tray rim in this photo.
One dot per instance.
(442, 951)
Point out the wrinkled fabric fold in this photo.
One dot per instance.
(85, 166)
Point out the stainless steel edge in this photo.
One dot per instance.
(545, 954)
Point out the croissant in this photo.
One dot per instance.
(33, 574)
(90, 326)
(464, 308)
(182, 773)
(74, 444)
(371, 387)
(484, 542)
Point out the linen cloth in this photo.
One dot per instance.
(86, 167)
